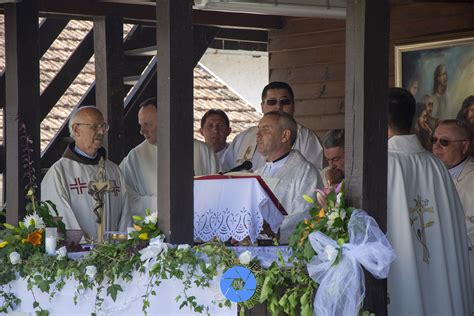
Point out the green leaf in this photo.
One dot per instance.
(9, 226)
(137, 218)
(308, 251)
(308, 199)
(113, 290)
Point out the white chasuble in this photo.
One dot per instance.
(465, 186)
(141, 173)
(139, 168)
(244, 145)
(426, 227)
(296, 177)
(65, 184)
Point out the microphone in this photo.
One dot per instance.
(246, 165)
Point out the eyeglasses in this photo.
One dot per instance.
(444, 142)
(96, 127)
(280, 102)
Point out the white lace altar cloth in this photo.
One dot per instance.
(129, 302)
(232, 208)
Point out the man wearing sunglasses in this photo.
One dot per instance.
(425, 224)
(276, 96)
(66, 182)
(451, 141)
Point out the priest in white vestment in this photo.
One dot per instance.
(295, 175)
(140, 165)
(215, 127)
(451, 143)
(276, 96)
(66, 182)
(425, 225)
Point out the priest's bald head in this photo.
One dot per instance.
(451, 141)
(147, 119)
(87, 127)
(276, 134)
(401, 110)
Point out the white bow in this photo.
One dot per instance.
(341, 286)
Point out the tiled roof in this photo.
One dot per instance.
(209, 91)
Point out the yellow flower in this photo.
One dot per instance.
(321, 213)
(3, 244)
(137, 228)
(143, 236)
(33, 238)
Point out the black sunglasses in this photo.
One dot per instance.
(444, 142)
(280, 102)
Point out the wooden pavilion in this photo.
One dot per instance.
(337, 54)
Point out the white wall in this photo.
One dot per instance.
(244, 72)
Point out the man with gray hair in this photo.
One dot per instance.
(277, 132)
(334, 153)
(451, 142)
(66, 182)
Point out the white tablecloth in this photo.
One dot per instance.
(232, 208)
(129, 302)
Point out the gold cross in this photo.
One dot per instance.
(97, 188)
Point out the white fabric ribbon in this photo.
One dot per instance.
(341, 286)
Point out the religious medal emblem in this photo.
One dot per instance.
(419, 223)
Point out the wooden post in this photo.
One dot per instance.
(367, 39)
(109, 70)
(174, 30)
(22, 101)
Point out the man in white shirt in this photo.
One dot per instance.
(276, 96)
(66, 182)
(451, 141)
(140, 165)
(425, 224)
(215, 127)
(277, 132)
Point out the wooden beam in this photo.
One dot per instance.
(22, 102)
(367, 39)
(66, 75)
(48, 32)
(175, 106)
(136, 13)
(109, 69)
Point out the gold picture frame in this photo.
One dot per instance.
(420, 64)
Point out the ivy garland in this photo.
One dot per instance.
(289, 291)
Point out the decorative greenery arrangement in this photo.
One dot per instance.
(329, 215)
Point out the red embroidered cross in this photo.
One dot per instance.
(78, 185)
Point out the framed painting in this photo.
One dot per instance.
(443, 70)
(440, 75)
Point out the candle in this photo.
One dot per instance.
(51, 234)
(50, 245)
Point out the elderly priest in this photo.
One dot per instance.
(84, 169)
(295, 175)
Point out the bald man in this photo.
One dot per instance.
(66, 182)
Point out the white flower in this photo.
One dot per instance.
(91, 271)
(61, 252)
(184, 247)
(15, 257)
(338, 199)
(152, 218)
(157, 246)
(245, 257)
(342, 214)
(331, 253)
(331, 218)
(34, 220)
